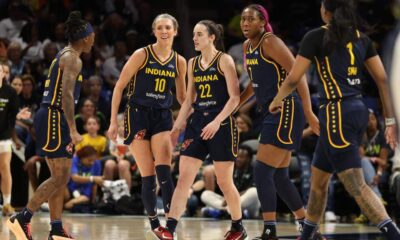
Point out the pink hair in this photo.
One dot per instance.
(265, 16)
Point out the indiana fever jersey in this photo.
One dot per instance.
(266, 75)
(210, 84)
(340, 70)
(53, 85)
(151, 86)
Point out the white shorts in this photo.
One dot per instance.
(5, 146)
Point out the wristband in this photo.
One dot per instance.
(390, 121)
(91, 178)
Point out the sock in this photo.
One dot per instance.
(269, 229)
(26, 214)
(264, 181)
(149, 197)
(6, 199)
(237, 225)
(56, 226)
(389, 229)
(167, 186)
(308, 230)
(301, 224)
(171, 224)
(154, 222)
(286, 189)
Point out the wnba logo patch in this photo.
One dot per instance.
(140, 135)
(186, 144)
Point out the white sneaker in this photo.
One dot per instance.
(330, 216)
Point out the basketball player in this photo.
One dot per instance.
(339, 52)
(55, 129)
(151, 72)
(267, 61)
(213, 89)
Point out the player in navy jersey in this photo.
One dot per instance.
(267, 61)
(151, 73)
(55, 129)
(213, 92)
(339, 52)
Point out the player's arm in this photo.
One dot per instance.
(248, 92)
(72, 65)
(186, 106)
(227, 66)
(180, 81)
(130, 68)
(278, 51)
(375, 68)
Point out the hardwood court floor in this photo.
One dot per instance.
(100, 227)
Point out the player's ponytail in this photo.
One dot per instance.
(343, 25)
(217, 30)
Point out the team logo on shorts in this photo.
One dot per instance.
(140, 135)
(186, 144)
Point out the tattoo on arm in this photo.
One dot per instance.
(72, 67)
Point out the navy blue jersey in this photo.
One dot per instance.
(210, 85)
(151, 85)
(340, 70)
(53, 85)
(266, 75)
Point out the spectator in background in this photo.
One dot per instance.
(374, 152)
(95, 94)
(243, 179)
(88, 109)
(8, 112)
(245, 125)
(120, 164)
(59, 36)
(10, 27)
(91, 138)
(6, 70)
(112, 66)
(3, 49)
(17, 64)
(85, 177)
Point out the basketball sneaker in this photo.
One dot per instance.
(236, 235)
(163, 234)
(154, 233)
(59, 235)
(20, 228)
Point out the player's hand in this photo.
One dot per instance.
(24, 113)
(175, 131)
(313, 122)
(209, 131)
(113, 132)
(391, 136)
(275, 106)
(75, 137)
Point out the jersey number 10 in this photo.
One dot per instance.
(160, 84)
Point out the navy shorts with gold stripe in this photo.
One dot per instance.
(141, 122)
(284, 130)
(52, 133)
(222, 147)
(342, 125)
